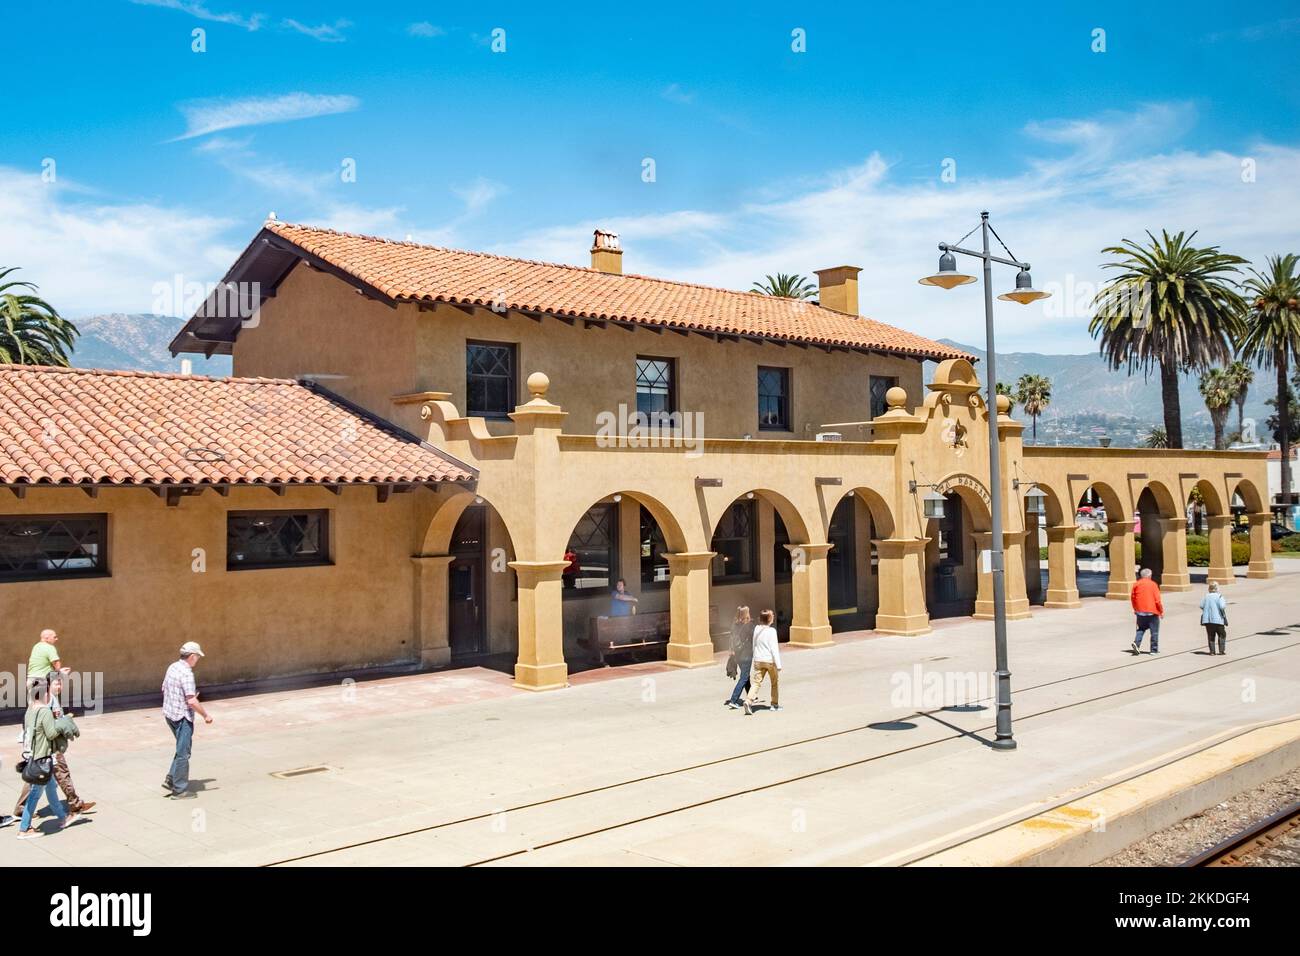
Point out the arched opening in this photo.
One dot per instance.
(1209, 537)
(952, 553)
(855, 523)
(753, 565)
(1105, 561)
(1153, 529)
(623, 537)
(1038, 518)
(470, 618)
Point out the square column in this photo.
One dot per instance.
(811, 626)
(1017, 602)
(1173, 539)
(1122, 574)
(1062, 584)
(432, 639)
(541, 626)
(902, 587)
(1220, 529)
(690, 641)
(1261, 546)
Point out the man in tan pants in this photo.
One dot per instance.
(767, 662)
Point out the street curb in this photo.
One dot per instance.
(1094, 827)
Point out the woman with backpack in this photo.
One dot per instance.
(1214, 615)
(742, 654)
(43, 738)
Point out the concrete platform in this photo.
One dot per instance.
(642, 765)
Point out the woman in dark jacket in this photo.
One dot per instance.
(742, 647)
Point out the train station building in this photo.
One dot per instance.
(430, 457)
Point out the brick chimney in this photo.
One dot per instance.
(839, 288)
(606, 254)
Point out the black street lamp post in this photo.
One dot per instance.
(948, 278)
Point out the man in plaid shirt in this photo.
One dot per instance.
(180, 701)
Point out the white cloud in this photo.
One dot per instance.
(325, 32)
(201, 12)
(478, 194)
(425, 29)
(1110, 183)
(674, 93)
(89, 255)
(210, 116)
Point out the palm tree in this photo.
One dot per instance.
(31, 331)
(791, 286)
(1156, 438)
(1172, 305)
(1219, 391)
(1273, 339)
(1004, 389)
(1242, 377)
(1034, 393)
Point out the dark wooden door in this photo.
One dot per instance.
(466, 627)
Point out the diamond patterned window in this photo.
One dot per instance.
(489, 379)
(774, 398)
(53, 546)
(593, 551)
(881, 384)
(654, 386)
(275, 539)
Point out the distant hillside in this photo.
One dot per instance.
(1082, 385)
(118, 341)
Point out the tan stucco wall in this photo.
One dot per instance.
(251, 623)
(318, 324)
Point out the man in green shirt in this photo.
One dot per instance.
(45, 657)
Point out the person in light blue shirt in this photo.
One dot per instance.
(1214, 615)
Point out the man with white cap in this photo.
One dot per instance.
(180, 701)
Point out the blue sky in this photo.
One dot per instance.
(167, 160)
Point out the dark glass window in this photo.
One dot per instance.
(950, 530)
(774, 398)
(734, 544)
(655, 386)
(276, 539)
(782, 559)
(880, 384)
(593, 551)
(53, 546)
(470, 535)
(654, 563)
(489, 379)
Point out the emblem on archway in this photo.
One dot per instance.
(954, 436)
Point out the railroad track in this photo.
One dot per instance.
(1275, 841)
(1286, 630)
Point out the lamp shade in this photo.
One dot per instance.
(947, 277)
(1024, 292)
(1035, 501)
(934, 504)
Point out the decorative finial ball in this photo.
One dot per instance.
(538, 383)
(1004, 405)
(896, 397)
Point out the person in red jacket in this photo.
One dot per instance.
(1145, 598)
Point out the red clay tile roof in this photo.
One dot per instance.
(407, 271)
(61, 426)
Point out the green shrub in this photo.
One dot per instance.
(1290, 543)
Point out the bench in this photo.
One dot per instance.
(608, 636)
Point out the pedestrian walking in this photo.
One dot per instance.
(742, 652)
(1145, 598)
(44, 664)
(766, 664)
(180, 702)
(43, 736)
(1214, 615)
